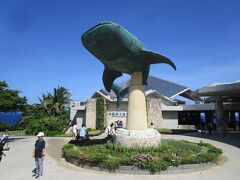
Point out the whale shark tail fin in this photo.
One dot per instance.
(154, 58)
(120, 92)
(108, 77)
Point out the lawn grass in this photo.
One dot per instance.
(94, 132)
(15, 133)
(63, 135)
(91, 132)
(155, 159)
(174, 131)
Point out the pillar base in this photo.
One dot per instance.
(135, 138)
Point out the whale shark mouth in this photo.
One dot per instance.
(96, 26)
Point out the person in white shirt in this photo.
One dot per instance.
(110, 131)
(74, 131)
(82, 132)
(4, 138)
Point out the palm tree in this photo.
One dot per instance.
(46, 103)
(61, 98)
(55, 104)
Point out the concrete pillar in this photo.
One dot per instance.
(137, 114)
(227, 118)
(219, 115)
(208, 117)
(233, 119)
(238, 121)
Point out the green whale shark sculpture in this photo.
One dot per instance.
(120, 52)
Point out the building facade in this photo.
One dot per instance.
(164, 110)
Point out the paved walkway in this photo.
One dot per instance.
(18, 164)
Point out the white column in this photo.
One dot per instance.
(137, 115)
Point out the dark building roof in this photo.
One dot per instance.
(166, 88)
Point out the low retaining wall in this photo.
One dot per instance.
(134, 170)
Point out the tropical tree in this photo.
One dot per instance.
(10, 100)
(55, 104)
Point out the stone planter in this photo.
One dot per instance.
(134, 138)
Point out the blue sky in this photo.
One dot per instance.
(40, 45)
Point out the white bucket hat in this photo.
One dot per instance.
(40, 134)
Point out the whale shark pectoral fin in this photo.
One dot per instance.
(108, 77)
(154, 58)
(146, 74)
(121, 95)
(120, 92)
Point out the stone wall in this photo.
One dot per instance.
(154, 112)
(165, 119)
(112, 106)
(73, 113)
(91, 114)
(121, 110)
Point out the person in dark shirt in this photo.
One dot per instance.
(2, 143)
(39, 153)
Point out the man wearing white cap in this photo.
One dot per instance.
(39, 153)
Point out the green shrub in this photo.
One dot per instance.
(174, 131)
(164, 130)
(169, 153)
(97, 158)
(100, 113)
(142, 160)
(111, 163)
(4, 126)
(49, 125)
(70, 150)
(211, 148)
(183, 145)
(156, 166)
(94, 132)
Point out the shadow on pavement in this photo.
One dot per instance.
(15, 139)
(89, 142)
(231, 137)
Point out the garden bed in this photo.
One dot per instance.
(170, 154)
(175, 131)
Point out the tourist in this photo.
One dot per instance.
(4, 138)
(39, 154)
(209, 127)
(87, 135)
(82, 132)
(116, 125)
(110, 131)
(74, 131)
(202, 127)
(2, 144)
(120, 124)
(1, 149)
